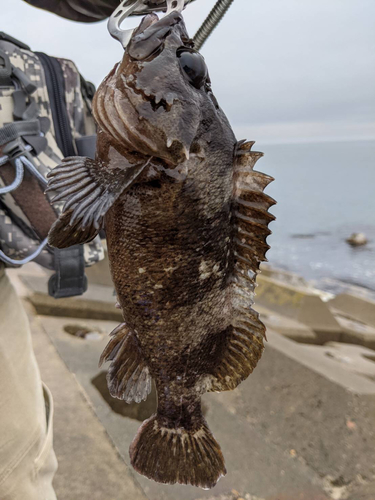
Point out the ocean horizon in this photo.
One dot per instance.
(325, 192)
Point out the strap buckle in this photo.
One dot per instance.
(14, 149)
(18, 154)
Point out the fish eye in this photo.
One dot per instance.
(193, 65)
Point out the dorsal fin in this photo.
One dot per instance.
(251, 218)
(251, 215)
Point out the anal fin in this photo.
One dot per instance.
(245, 337)
(128, 375)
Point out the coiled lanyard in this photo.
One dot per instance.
(20, 162)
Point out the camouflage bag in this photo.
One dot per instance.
(45, 115)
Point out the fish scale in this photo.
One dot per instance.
(186, 222)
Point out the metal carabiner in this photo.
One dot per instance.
(124, 10)
(138, 7)
(178, 5)
(17, 153)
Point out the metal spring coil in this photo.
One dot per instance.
(213, 19)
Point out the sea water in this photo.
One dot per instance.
(325, 192)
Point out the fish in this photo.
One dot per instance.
(186, 221)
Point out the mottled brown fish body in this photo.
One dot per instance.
(171, 261)
(186, 222)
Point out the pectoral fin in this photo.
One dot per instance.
(89, 190)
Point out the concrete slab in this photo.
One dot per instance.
(283, 276)
(300, 304)
(301, 427)
(30, 270)
(353, 307)
(287, 327)
(356, 359)
(344, 374)
(355, 332)
(97, 303)
(90, 467)
(99, 274)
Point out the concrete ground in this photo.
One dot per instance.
(300, 428)
(90, 467)
(287, 432)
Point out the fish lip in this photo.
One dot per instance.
(151, 34)
(148, 21)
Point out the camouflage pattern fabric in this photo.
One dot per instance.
(13, 241)
(81, 121)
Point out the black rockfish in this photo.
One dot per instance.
(186, 222)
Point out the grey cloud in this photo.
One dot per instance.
(290, 62)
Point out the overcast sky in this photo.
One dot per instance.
(282, 70)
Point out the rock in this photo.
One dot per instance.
(97, 303)
(357, 240)
(288, 327)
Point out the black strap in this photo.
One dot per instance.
(8, 38)
(77, 10)
(70, 279)
(14, 130)
(5, 70)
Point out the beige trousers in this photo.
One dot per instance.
(27, 460)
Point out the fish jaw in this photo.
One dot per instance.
(147, 103)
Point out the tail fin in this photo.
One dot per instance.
(175, 455)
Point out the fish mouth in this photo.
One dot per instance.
(156, 100)
(142, 102)
(149, 37)
(148, 21)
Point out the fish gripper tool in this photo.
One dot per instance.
(138, 8)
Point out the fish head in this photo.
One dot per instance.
(156, 99)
